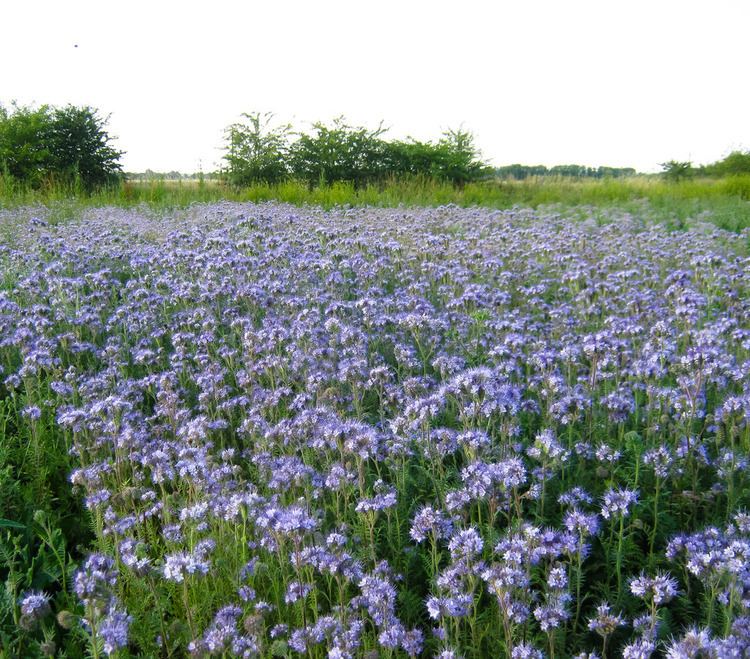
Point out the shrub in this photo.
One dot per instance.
(68, 145)
(341, 153)
(257, 151)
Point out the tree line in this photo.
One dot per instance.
(737, 163)
(71, 146)
(262, 151)
(521, 172)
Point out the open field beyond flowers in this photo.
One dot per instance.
(265, 431)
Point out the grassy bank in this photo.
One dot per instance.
(725, 201)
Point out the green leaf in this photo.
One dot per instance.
(10, 524)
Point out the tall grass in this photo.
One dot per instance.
(724, 201)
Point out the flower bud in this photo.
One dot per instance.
(253, 624)
(27, 623)
(48, 648)
(66, 619)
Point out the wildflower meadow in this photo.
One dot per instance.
(257, 430)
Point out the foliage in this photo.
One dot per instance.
(257, 150)
(51, 145)
(736, 163)
(520, 172)
(674, 170)
(24, 150)
(338, 152)
(341, 153)
(79, 147)
(454, 158)
(722, 201)
(260, 430)
(462, 157)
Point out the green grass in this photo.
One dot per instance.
(726, 201)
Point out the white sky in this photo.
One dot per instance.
(605, 82)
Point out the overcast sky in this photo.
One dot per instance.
(621, 83)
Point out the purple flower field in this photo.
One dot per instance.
(263, 431)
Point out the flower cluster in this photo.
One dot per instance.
(389, 431)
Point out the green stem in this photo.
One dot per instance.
(188, 610)
(618, 564)
(656, 516)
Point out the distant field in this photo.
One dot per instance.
(726, 201)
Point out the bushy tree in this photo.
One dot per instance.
(674, 170)
(614, 172)
(458, 159)
(79, 147)
(24, 152)
(65, 145)
(454, 158)
(257, 150)
(520, 172)
(338, 152)
(737, 162)
(410, 158)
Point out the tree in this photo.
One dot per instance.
(458, 159)
(674, 170)
(48, 144)
(24, 153)
(257, 150)
(339, 152)
(737, 162)
(454, 158)
(411, 158)
(79, 147)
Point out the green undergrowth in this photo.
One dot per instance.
(725, 202)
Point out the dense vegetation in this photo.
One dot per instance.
(260, 152)
(521, 172)
(57, 155)
(724, 201)
(735, 164)
(242, 430)
(51, 146)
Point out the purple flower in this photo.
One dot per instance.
(95, 580)
(617, 502)
(526, 651)
(660, 589)
(581, 523)
(466, 544)
(384, 498)
(552, 614)
(640, 649)
(379, 598)
(546, 448)
(694, 644)
(605, 622)
(181, 565)
(32, 412)
(412, 641)
(392, 636)
(114, 629)
(430, 522)
(660, 459)
(297, 591)
(35, 604)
